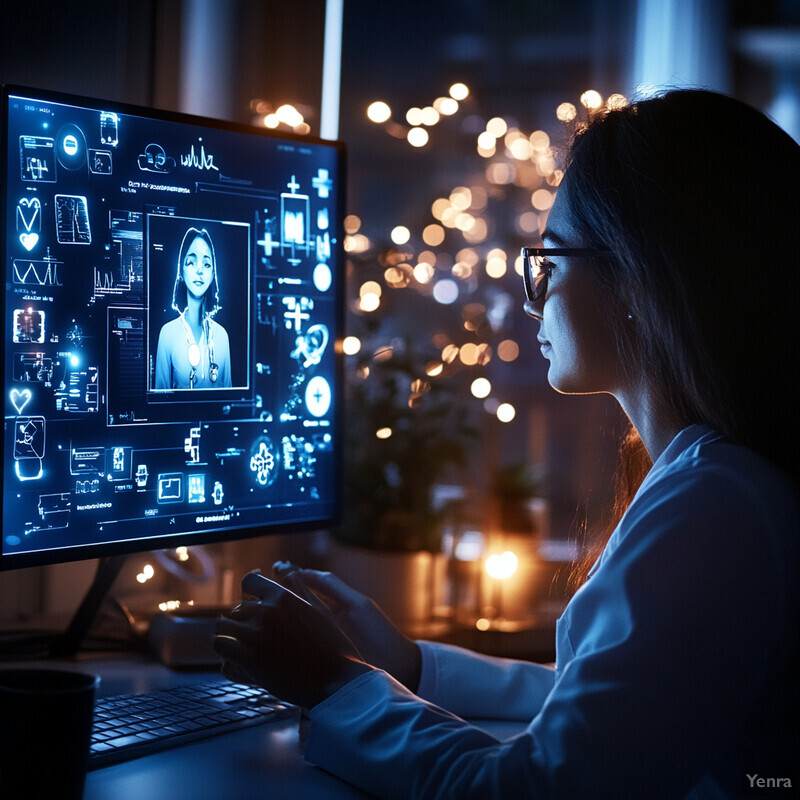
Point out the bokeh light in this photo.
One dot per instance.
(379, 111)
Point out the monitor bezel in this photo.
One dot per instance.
(101, 550)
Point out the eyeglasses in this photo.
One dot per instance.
(536, 266)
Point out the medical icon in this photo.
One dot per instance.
(29, 447)
(87, 461)
(37, 159)
(201, 160)
(79, 392)
(36, 273)
(20, 399)
(72, 220)
(310, 346)
(170, 487)
(155, 159)
(218, 494)
(295, 224)
(28, 326)
(34, 368)
(54, 510)
(29, 221)
(318, 396)
(141, 476)
(297, 312)
(119, 463)
(191, 446)
(196, 488)
(101, 162)
(322, 183)
(71, 147)
(109, 128)
(263, 461)
(323, 219)
(322, 277)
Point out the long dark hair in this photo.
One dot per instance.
(210, 304)
(697, 195)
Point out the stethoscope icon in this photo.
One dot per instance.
(194, 352)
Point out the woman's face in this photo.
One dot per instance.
(197, 269)
(573, 329)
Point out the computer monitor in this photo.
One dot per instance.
(173, 303)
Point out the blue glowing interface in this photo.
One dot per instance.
(172, 306)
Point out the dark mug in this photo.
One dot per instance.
(45, 730)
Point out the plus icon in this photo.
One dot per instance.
(293, 185)
(267, 243)
(322, 183)
(294, 313)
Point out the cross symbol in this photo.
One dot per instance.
(293, 185)
(294, 313)
(322, 183)
(267, 243)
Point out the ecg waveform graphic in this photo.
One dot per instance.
(36, 273)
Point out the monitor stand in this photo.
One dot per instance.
(69, 642)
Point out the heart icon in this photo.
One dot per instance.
(29, 240)
(20, 398)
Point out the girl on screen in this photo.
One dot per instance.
(193, 350)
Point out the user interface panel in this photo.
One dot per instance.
(172, 304)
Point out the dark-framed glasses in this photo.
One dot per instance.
(536, 266)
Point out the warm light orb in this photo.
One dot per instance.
(400, 234)
(370, 287)
(566, 112)
(423, 272)
(508, 350)
(271, 120)
(289, 115)
(369, 302)
(433, 235)
(542, 199)
(446, 106)
(461, 198)
(352, 224)
(430, 116)
(439, 207)
(351, 345)
(591, 99)
(505, 412)
(487, 141)
(379, 112)
(496, 266)
(480, 388)
(502, 565)
(459, 91)
(414, 116)
(497, 126)
(383, 433)
(417, 137)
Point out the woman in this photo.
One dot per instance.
(675, 290)
(193, 350)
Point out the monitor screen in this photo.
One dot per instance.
(173, 301)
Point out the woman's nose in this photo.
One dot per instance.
(533, 309)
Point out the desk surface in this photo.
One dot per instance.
(263, 761)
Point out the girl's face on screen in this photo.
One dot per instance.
(198, 268)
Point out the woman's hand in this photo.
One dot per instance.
(285, 644)
(377, 640)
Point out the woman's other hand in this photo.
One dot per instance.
(360, 619)
(282, 642)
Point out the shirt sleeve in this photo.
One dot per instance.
(669, 647)
(482, 687)
(164, 359)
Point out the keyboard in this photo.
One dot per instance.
(132, 725)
